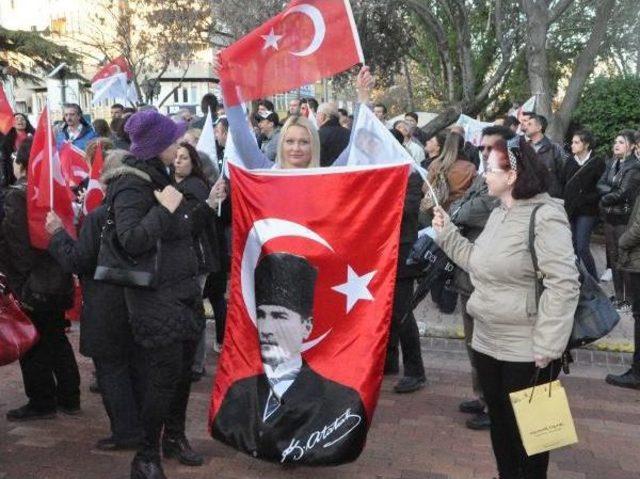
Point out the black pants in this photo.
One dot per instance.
(634, 283)
(49, 368)
(405, 333)
(121, 382)
(214, 291)
(612, 235)
(498, 379)
(166, 396)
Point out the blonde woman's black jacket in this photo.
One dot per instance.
(619, 187)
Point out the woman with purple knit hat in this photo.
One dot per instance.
(152, 218)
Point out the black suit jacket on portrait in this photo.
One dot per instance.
(319, 422)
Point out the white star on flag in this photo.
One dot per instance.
(271, 40)
(355, 288)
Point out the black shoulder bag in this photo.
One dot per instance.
(116, 266)
(595, 316)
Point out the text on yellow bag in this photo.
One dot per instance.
(543, 418)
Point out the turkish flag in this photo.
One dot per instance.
(308, 41)
(6, 113)
(46, 188)
(94, 195)
(115, 66)
(73, 163)
(312, 285)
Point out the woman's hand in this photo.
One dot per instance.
(218, 193)
(364, 84)
(53, 223)
(541, 361)
(440, 219)
(170, 198)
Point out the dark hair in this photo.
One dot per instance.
(381, 105)
(196, 163)
(397, 135)
(267, 104)
(101, 127)
(500, 130)
(412, 115)
(312, 102)
(636, 136)
(78, 110)
(629, 135)
(224, 122)
(440, 137)
(22, 156)
(532, 176)
(542, 121)
(342, 111)
(586, 137)
(510, 121)
(117, 105)
(209, 102)
(12, 134)
(529, 114)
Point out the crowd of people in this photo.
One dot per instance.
(166, 204)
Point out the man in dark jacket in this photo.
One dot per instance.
(279, 415)
(166, 321)
(404, 329)
(49, 368)
(551, 154)
(105, 332)
(333, 137)
(470, 213)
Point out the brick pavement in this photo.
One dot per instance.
(417, 436)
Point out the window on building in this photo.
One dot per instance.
(194, 94)
(175, 96)
(185, 96)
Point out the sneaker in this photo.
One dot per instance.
(606, 276)
(409, 384)
(29, 413)
(473, 406)
(479, 422)
(629, 380)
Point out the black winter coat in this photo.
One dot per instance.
(172, 312)
(554, 158)
(409, 224)
(333, 140)
(104, 327)
(33, 275)
(619, 190)
(205, 239)
(581, 195)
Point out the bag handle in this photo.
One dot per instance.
(532, 251)
(536, 375)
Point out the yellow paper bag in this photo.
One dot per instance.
(544, 418)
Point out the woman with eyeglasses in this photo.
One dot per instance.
(515, 332)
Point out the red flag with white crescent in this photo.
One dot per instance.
(309, 40)
(6, 112)
(94, 195)
(312, 285)
(73, 163)
(46, 188)
(115, 66)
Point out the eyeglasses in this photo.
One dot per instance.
(486, 148)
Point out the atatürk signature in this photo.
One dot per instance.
(327, 436)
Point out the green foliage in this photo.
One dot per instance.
(607, 106)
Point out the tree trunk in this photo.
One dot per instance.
(407, 74)
(443, 120)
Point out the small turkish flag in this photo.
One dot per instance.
(308, 41)
(46, 187)
(94, 194)
(312, 284)
(6, 113)
(115, 66)
(73, 163)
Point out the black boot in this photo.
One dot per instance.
(180, 449)
(630, 379)
(409, 384)
(30, 413)
(142, 468)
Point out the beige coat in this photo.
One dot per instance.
(509, 325)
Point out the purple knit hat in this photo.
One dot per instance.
(151, 133)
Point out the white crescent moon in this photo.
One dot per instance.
(263, 231)
(318, 23)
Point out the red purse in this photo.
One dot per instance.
(17, 332)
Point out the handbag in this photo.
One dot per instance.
(544, 419)
(17, 332)
(116, 266)
(595, 316)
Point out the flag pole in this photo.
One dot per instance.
(50, 148)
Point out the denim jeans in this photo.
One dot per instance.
(121, 380)
(581, 229)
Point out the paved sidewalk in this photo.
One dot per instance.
(416, 436)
